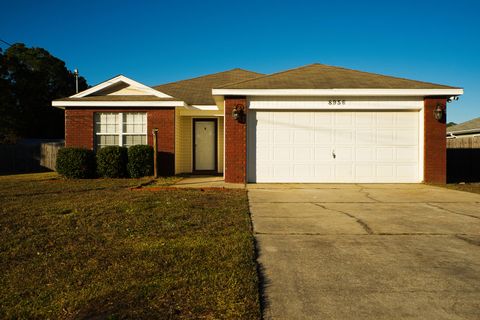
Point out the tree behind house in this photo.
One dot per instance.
(30, 78)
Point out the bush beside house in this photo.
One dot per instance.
(112, 162)
(140, 161)
(76, 163)
(109, 162)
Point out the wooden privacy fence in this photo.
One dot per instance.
(29, 156)
(463, 159)
(48, 154)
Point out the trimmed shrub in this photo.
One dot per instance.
(112, 162)
(76, 163)
(140, 161)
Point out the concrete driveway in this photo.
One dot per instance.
(367, 251)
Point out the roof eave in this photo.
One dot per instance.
(122, 104)
(338, 92)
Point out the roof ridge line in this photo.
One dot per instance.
(336, 67)
(270, 74)
(205, 75)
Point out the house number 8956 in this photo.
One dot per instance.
(335, 102)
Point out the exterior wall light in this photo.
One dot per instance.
(438, 112)
(238, 113)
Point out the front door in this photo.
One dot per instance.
(205, 144)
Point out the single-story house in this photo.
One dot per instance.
(315, 124)
(470, 128)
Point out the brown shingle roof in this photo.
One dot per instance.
(119, 98)
(468, 125)
(198, 91)
(320, 76)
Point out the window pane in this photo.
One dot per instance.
(106, 140)
(134, 122)
(132, 140)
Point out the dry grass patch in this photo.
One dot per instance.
(468, 187)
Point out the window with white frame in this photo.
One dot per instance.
(120, 129)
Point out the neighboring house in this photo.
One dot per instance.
(315, 123)
(469, 128)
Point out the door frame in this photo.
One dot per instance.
(215, 121)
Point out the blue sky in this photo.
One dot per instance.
(161, 41)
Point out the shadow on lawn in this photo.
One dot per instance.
(263, 281)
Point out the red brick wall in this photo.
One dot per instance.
(79, 132)
(79, 128)
(435, 143)
(235, 143)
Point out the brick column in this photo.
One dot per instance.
(164, 120)
(435, 142)
(235, 143)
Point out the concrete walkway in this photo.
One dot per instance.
(367, 251)
(201, 182)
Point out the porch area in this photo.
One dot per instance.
(199, 142)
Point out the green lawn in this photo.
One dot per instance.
(86, 249)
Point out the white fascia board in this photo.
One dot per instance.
(356, 107)
(338, 92)
(117, 79)
(464, 131)
(205, 107)
(90, 104)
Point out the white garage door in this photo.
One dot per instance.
(333, 146)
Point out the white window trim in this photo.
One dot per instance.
(121, 133)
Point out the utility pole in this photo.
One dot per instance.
(75, 73)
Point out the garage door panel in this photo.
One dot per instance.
(343, 173)
(283, 137)
(323, 136)
(344, 119)
(406, 154)
(385, 154)
(303, 120)
(344, 154)
(323, 153)
(365, 119)
(282, 170)
(323, 119)
(406, 137)
(324, 172)
(365, 137)
(385, 137)
(283, 153)
(365, 154)
(385, 119)
(344, 136)
(264, 137)
(264, 154)
(406, 119)
(305, 171)
(369, 146)
(364, 171)
(385, 171)
(303, 154)
(303, 136)
(404, 172)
